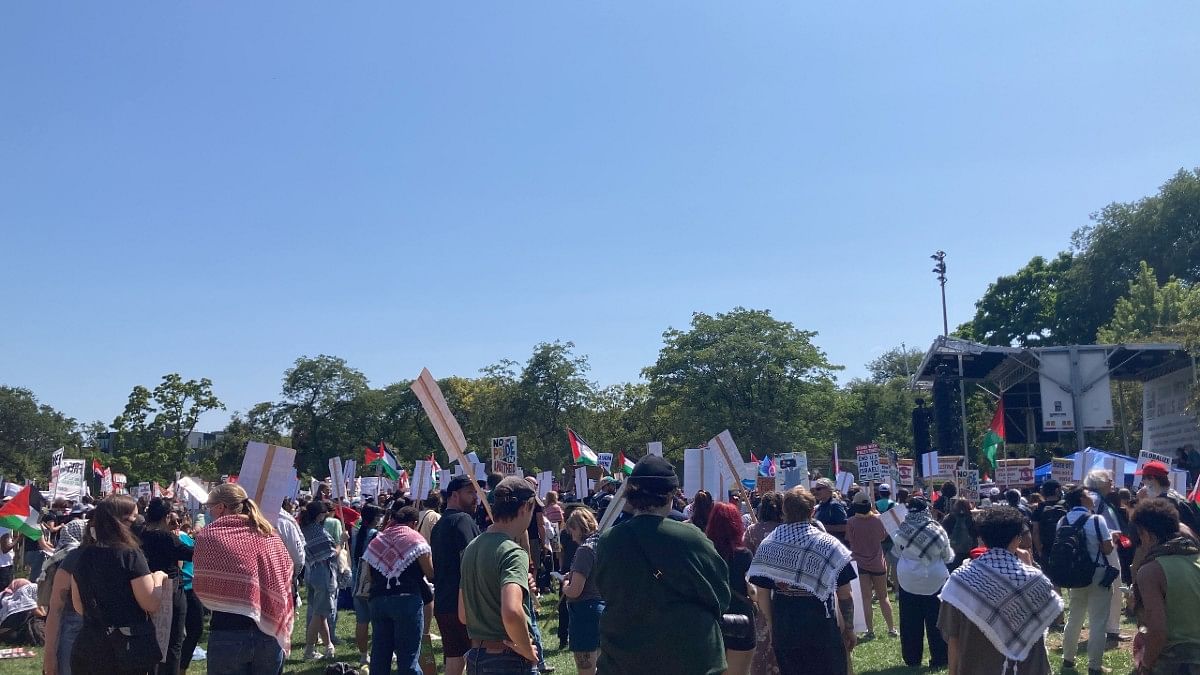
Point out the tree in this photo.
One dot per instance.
(259, 423)
(895, 364)
(152, 433)
(29, 433)
(879, 412)
(761, 378)
(1021, 309)
(316, 392)
(551, 392)
(1149, 309)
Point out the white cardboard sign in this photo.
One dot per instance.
(267, 475)
(337, 479)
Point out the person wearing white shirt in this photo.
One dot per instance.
(1092, 601)
(293, 541)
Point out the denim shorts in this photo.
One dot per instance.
(243, 652)
(583, 633)
(482, 662)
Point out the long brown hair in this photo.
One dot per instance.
(235, 499)
(109, 522)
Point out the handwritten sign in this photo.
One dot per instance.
(504, 455)
(868, 463)
(1062, 469)
(968, 484)
(1015, 472)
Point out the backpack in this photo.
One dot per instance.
(1047, 522)
(1069, 564)
(960, 537)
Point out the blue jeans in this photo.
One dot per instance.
(68, 630)
(397, 624)
(243, 652)
(480, 662)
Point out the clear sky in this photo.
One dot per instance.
(217, 188)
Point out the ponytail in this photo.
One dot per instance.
(234, 497)
(257, 521)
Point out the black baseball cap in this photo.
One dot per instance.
(513, 489)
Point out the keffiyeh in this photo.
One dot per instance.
(1011, 603)
(798, 554)
(239, 571)
(69, 539)
(394, 549)
(20, 597)
(919, 537)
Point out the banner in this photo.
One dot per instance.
(267, 474)
(1016, 473)
(868, 463)
(70, 479)
(1167, 420)
(504, 455)
(906, 469)
(791, 469)
(1062, 469)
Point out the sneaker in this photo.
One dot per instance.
(867, 637)
(1118, 637)
(310, 653)
(892, 632)
(331, 653)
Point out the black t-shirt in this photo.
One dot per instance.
(533, 522)
(447, 540)
(739, 565)
(228, 621)
(103, 575)
(163, 551)
(69, 564)
(411, 581)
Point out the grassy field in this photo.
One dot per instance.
(879, 657)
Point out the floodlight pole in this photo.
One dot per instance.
(939, 269)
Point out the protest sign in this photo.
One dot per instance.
(119, 481)
(370, 485)
(337, 480)
(791, 470)
(856, 596)
(106, 482)
(56, 459)
(444, 479)
(144, 490)
(702, 471)
(968, 484)
(70, 479)
(893, 467)
(1179, 480)
(504, 455)
(731, 460)
(604, 461)
(1150, 456)
(349, 474)
(843, 481)
(929, 464)
(545, 482)
(893, 518)
(447, 428)
(1061, 469)
(654, 448)
(868, 463)
(192, 488)
(765, 484)
(581, 482)
(422, 480)
(1016, 473)
(904, 468)
(267, 474)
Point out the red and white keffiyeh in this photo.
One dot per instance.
(394, 549)
(239, 571)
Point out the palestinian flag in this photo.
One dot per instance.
(624, 464)
(434, 469)
(97, 469)
(581, 452)
(22, 513)
(382, 461)
(995, 435)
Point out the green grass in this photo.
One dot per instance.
(879, 657)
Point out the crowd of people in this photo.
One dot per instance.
(672, 586)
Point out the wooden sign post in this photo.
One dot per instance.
(729, 453)
(449, 432)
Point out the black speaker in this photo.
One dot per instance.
(921, 419)
(945, 415)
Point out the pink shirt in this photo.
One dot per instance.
(554, 513)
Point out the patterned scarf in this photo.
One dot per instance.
(239, 571)
(318, 545)
(1008, 601)
(1180, 545)
(22, 599)
(923, 537)
(798, 554)
(69, 538)
(394, 549)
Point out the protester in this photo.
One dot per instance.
(1156, 477)
(495, 601)
(664, 585)
(865, 536)
(831, 513)
(770, 513)
(726, 532)
(193, 626)
(367, 529)
(399, 560)
(431, 513)
(922, 550)
(995, 608)
(164, 551)
(1045, 518)
(579, 589)
(1090, 602)
(1098, 484)
(702, 505)
(7, 544)
(320, 577)
(112, 587)
(946, 496)
(243, 573)
(960, 526)
(448, 538)
(1166, 592)
(554, 510)
(54, 593)
(884, 502)
(804, 575)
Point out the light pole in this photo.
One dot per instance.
(939, 268)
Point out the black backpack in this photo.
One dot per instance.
(1047, 521)
(1069, 564)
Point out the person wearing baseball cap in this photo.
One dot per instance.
(448, 539)
(1156, 477)
(495, 585)
(831, 512)
(664, 585)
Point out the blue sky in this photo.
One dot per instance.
(218, 188)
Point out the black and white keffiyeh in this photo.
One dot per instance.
(799, 554)
(920, 537)
(1008, 601)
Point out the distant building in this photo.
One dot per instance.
(197, 440)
